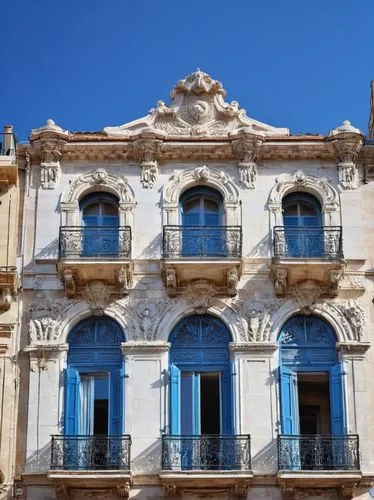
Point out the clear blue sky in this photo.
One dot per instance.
(94, 63)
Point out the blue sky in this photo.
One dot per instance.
(94, 63)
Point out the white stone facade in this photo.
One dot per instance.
(199, 140)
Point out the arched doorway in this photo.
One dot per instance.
(201, 386)
(312, 398)
(94, 382)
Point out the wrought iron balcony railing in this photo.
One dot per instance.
(91, 242)
(206, 452)
(202, 241)
(91, 452)
(317, 452)
(308, 243)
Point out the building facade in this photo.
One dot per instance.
(9, 306)
(196, 308)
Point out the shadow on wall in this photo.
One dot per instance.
(266, 460)
(153, 249)
(149, 461)
(48, 252)
(40, 460)
(261, 249)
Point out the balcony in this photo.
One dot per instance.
(189, 252)
(8, 167)
(308, 253)
(90, 253)
(331, 460)
(87, 462)
(206, 461)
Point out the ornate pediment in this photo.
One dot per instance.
(197, 109)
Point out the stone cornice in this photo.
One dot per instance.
(144, 347)
(98, 147)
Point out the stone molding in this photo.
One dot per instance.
(97, 181)
(133, 347)
(200, 176)
(347, 142)
(318, 186)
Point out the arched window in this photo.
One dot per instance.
(201, 386)
(312, 393)
(94, 379)
(99, 212)
(201, 215)
(302, 222)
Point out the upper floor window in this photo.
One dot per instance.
(201, 207)
(101, 221)
(301, 210)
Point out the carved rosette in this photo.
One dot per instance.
(247, 149)
(146, 149)
(347, 142)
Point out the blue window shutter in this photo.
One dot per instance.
(196, 403)
(110, 220)
(116, 401)
(91, 220)
(227, 401)
(175, 376)
(72, 384)
(289, 401)
(337, 399)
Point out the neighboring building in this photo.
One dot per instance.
(197, 288)
(9, 307)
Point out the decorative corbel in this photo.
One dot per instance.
(170, 490)
(347, 142)
(240, 490)
(171, 281)
(147, 148)
(335, 275)
(280, 282)
(233, 281)
(70, 282)
(124, 280)
(247, 149)
(123, 490)
(200, 292)
(5, 299)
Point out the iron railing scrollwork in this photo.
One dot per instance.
(318, 452)
(202, 241)
(206, 452)
(308, 242)
(102, 452)
(91, 242)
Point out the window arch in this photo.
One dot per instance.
(302, 210)
(311, 378)
(201, 380)
(94, 382)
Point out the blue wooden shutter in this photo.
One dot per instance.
(289, 401)
(116, 401)
(72, 385)
(91, 242)
(175, 376)
(337, 400)
(227, 402)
